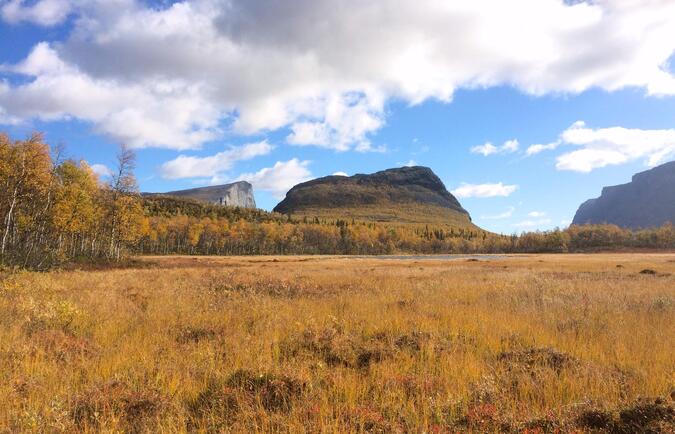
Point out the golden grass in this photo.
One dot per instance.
(317, 344)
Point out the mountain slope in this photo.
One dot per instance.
(235, 194)
(647, 201)
(407, 194)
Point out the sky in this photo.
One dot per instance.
(524, 109)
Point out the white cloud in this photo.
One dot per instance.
(42, 12)
(341, 123)
(196, 167)
(340, 174)
(505, 215)
(485, 150)
(537, 148)
(536, 214)
(161, 113)
(484, 190)
(101, 170)
(324, 69)
(529, 224)
(280, 178)
(510, 146)
(616, 145)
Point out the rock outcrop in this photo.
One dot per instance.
(647, 201)
(236, 194)
(408, 194)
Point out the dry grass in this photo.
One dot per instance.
(518, 344)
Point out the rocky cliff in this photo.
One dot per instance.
(647, 201)
(236, 194)
(407, 194)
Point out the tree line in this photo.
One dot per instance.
(55, 210)
(219, 236)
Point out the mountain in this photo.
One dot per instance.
(236, 194)
(407, 194)
(647, 201)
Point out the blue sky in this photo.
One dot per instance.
(209, 91)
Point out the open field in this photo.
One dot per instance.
(533, 343)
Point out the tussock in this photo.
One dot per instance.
(136, 410)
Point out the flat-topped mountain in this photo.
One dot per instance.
(647, 201)
(407, 194)
(235, 194)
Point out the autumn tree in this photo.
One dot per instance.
(77, 209)
(123, 211)
(25, 178)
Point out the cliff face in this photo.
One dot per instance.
(647, 201)
(412, 194)
(236, 194)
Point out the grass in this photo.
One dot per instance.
(310, 344)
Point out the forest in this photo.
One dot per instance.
(55, 210)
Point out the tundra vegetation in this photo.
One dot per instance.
(525, 343)
(107, 338)
(55, 211)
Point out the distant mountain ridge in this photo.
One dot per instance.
(647, 201)
(406, 194)
(238, 193)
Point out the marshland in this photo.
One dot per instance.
(515, 343)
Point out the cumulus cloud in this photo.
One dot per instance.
(279, 178)
(600, 147)
(510, 146)
(340, 174)
(536, 214)
(485, 150)
(174, 76)
(342, 123)
(616, 145)
(163, 113)
(101, 170)
(43, 12)
(212, 166)
(484, 190)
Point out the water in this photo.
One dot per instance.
(434, 257)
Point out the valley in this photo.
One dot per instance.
(378, 217)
